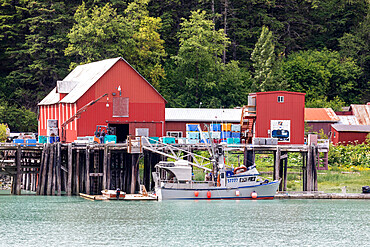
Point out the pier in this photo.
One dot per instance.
(71, 169)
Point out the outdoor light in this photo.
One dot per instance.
(119, 90)
(107, 105)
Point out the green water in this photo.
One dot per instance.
(72, 221)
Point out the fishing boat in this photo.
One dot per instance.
(112, 194)
(173, 180)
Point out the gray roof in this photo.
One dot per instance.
(81, 79)
(362, 113)
(203, 115)
(351, 128)
(348, 120)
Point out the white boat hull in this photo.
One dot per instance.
(263, 191)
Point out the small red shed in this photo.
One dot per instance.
(280, 114)
(132, 104)
(349, 134)
(320, 119)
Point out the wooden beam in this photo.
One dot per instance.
(44, 170)
(19, 170)
(277, 164)
(58, 171)
(77, 173)
(105, 161)
(50, 170)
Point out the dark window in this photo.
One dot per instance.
(280, 99)
(222, 175)
(120, 107)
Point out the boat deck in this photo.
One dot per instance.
(128, 197)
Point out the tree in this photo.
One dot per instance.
(263, 59)
(323, 74)
(198, 72)
(102, 33)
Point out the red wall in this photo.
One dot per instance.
(292, 109)
(145, 104)
(345, 138)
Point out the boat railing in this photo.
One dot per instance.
(187, 183)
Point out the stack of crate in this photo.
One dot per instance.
(235, 133)
(225, 132)
(216, 132)
(192, 133)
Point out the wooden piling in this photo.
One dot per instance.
(77, 173)
(58, 171)
(105, 162)
(309, 185)
(50, 170)
(70, 170)
(87, 171)
(44, 170)
(19, 170)
(277, 164)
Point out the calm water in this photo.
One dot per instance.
(71, 221)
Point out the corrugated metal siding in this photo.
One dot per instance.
(145, 104)
(203, 115)
(269, 109)
(362, 113)
(317, 127)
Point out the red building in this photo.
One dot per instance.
(133, 105)
(280, 114)
(349, 134)
(320, 119)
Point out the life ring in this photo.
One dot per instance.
(240, 169)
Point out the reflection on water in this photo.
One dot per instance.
(72, 221)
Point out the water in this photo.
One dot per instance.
(72, 221)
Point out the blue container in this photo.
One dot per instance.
(31, 142)
(110, 139)
(18, 141)
(169, 140)
(236, 140)
(225, 134)
(216, 135)
(207, 140)
(193, 135)
(52, 139)
(216, 127)
(223, 140)
(43, 139)
(153, 140)
(235, 134)
(230, 140)
(192, 127)
(235, 127)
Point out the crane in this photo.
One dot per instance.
(77, 115)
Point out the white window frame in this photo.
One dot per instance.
(178, 134)
(280, 99)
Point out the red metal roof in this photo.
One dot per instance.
(277, 92)
(320, 115)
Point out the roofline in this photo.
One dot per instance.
(119, 58)
(273, 92)
(321, 121)
(201, 121)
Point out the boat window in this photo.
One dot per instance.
(252, 179)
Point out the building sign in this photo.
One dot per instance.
(280, 129)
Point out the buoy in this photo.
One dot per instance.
(196, 193)
(208, 194)
(237, 193)
(254, 195)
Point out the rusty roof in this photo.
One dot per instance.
(320, 115)
(362, 113)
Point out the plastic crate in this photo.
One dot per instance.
(31, 142)
(110, 139)
(43, 139)
(205, 135)
(216, 135)
(225, 134)
(169, 140)
(153, 140)
(235, 134)
(235, 127)
(236, 140)
(18, 141)
(207, 141)
(226, 127)
(192, 135)
(216, 127)
(230, 140)
(192, 127)
(181, 140)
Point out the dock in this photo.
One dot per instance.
(128, 197)
(71, 169)
(320, 195)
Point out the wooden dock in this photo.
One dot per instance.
(71, 169)
(320, 195)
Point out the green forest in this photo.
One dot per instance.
(213, 52)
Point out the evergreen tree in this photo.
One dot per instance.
(263, 60)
